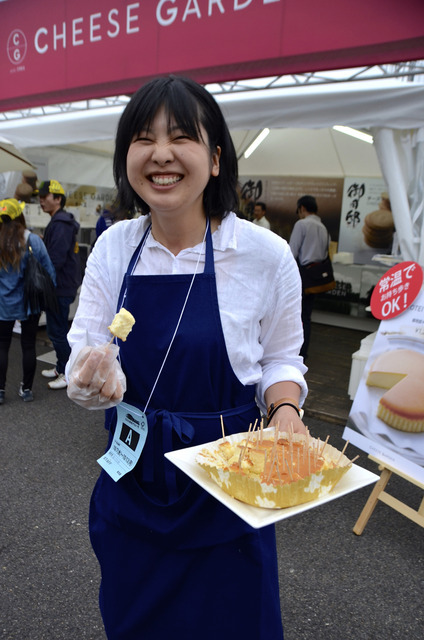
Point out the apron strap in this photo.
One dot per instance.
(209, 261)
(131, 266)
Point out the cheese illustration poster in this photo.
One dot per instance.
(386, 419)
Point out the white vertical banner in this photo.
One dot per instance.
(361, 197)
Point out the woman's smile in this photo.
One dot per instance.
(165, 180)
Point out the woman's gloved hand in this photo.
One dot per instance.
(95, 379)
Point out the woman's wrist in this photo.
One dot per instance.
(282, 402)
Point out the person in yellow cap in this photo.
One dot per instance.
(60, 238)
(13, 257)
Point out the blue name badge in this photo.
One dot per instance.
(128, 442)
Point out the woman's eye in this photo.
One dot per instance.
(179, 134)
(142, 136)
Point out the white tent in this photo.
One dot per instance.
(79, 146)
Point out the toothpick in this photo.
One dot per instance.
(352, 461)
(289, 470)
(240, 458)
(265, 457)
(222, 427)
(342, 452)
(274, 446)
(243, 451)
(278, 467)
(290, 431)
(270, 469)
(324, 445)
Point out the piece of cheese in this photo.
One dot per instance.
(122, 324)
(401, 372)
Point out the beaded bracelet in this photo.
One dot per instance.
(273, 408)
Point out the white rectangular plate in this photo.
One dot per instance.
(185, 459)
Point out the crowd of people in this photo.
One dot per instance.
(200, 350)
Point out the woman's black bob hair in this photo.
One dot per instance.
(189, 106)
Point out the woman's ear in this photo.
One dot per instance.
(215, 162)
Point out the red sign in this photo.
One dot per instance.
(80, 49)
(396, 290)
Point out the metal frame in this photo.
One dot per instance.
(412, 71)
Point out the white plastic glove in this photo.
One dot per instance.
(95, 378)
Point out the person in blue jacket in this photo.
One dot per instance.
(60, 238)
(106, 220)
(13, 257)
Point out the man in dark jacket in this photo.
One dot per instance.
(60, 238)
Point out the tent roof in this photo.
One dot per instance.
(301, 140)
(306, 152)
(363, 104)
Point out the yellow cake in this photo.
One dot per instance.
(122, 324)
(260, 472)
(401, 372)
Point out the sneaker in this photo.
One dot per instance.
(49, 373)
(1, 396)
(59, 383)
(26, 394)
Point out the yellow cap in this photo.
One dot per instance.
(11, 207)
(51, 186)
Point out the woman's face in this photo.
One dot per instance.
(169, 170)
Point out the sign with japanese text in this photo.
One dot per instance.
(80, 49)
(366, 221)
(281, 193)
(396, 290)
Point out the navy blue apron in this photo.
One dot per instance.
(174, 561)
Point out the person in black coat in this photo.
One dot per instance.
(60, 238)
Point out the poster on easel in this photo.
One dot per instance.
(386, 419)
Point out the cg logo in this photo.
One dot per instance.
(17, 46)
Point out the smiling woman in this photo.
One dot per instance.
(217, 335)
(188, 114)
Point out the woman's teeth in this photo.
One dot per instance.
(163, 180)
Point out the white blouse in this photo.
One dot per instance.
(259, 294)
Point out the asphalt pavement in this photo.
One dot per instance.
(334, 585)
